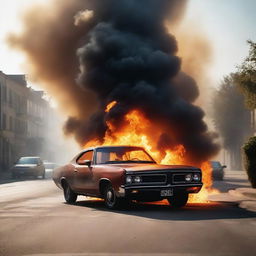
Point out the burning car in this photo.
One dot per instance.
(119, 174)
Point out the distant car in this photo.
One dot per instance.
(49, 167)
(123, 173)
(217, 170)
(28, 166)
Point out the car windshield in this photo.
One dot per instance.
(28, 160)
(216, 164)
(48, 165)
(112, 155)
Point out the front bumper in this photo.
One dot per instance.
(153, 193)
(25, 172)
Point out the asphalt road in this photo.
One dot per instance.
(34, 220)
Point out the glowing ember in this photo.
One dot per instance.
(136, 130)
(110, 105)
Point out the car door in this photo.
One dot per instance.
(83, 172)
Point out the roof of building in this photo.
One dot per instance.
(20, 79)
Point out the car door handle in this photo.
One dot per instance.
(75, 170)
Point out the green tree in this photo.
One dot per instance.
(246, 80)
(231, 118)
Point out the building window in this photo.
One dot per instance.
(10, 123)
(4, 121)
(10, 98)
(4, 93)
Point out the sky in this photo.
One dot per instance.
(226, 23)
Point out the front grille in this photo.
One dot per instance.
(179, 178)
(154, 178)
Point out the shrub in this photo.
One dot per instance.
(249, 150)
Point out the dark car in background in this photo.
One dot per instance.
(217, 170)
(28, 166)
(120, 174)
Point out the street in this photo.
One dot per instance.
(34, 220)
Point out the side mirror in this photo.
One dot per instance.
(224, 166)
(86, 162)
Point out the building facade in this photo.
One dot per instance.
(24, 118)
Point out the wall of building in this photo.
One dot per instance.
(24, 120)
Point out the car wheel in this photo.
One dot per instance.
(178, 200)
(110, 198)
(69, 195)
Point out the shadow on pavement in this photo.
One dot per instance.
(209, 211)
(10, 180)
(230, 183)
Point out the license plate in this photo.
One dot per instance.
(166, 192)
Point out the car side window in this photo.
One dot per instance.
(88, 155)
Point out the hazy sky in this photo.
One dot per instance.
(227, 23)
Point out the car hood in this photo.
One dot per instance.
(24, 165)
(152, 167)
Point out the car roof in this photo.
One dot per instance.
(30, 157)
(119, 146)
(100, 147)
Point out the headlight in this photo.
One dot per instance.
(188, 177)
(196, 177)
(137, 179)
(128, 179)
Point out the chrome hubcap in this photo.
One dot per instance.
(67, 192)
(110, 196)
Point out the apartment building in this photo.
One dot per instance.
(24, 117)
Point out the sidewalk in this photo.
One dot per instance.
(247, 197)
(244, 197)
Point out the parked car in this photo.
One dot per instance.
(122, 173)
(217, 170)
(28, 166)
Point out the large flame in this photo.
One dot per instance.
(138, 131)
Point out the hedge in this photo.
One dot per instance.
(249, 160)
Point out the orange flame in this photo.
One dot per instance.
(109, 106)
(136, 130)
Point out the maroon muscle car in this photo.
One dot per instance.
(122, 173)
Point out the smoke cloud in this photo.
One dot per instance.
(83, 16)
(116, 50)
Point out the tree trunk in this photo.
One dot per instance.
(253, 121)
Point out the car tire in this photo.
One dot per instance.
(110, 198)
(43, 175)
(178, 200)
(69, 195)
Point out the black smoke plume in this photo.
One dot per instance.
(127, 55)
